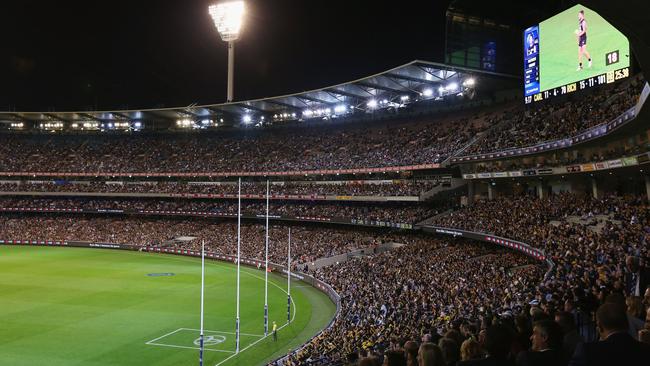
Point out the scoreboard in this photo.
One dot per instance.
(572, 51)
(607, 78)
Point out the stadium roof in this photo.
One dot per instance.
(416, 80)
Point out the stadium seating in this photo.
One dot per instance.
(443, 290)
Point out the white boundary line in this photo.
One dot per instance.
(163, 336)
(184, 347)
(218, 331)
(153, 342)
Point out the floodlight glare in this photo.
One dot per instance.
(247, 118)
(427, 92)
(228, 17)
(372, 103)
(469, 82)
(341, 108)
(404, 98)
(452, 86)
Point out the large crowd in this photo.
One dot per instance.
(553, 120)
(459, 301)
(360, 145)
(396, 212)
(349, 188)
(399, 142)
(440, 301)
(309, 242)
(557, 160)
(430, 302)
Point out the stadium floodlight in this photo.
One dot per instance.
(228, 17)
(452, 86)
(441, 89)
(372, 103)
(404, 98)
(427, 92)
(341, 108)
(247, 118)
(469, 82)
(307, 112)
(137, 124)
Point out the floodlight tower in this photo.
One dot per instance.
(228, 17)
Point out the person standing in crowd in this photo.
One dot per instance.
(638, 276)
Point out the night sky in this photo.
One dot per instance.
(72, 55)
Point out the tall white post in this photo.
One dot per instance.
(266, 265)
(202, 300)
(238, 264)
(231, 71)
(289, 280)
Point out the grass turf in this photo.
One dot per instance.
(559, 48)
(73, 306)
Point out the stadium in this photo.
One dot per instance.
(489, 207)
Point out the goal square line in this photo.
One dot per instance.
(188, 338)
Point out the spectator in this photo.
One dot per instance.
(616, 346)
(638, 276)
(450, 351)
(470, 350)
(546, 346)
(571, 338)
(498, 340)
(411, 353)
(430, 355)
(394, 358)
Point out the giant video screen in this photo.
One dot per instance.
(571, 51)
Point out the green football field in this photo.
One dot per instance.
(559, 48)
(75, 306)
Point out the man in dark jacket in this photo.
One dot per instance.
(637, 277)
(616, 346)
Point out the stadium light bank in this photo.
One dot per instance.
(228, 17)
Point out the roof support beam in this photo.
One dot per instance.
(434, 75)
(306, 97)
(283, 104)
(251, 108)
(380, 87)
(92, 117)
(345, 94)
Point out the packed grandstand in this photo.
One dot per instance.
(466, 254)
